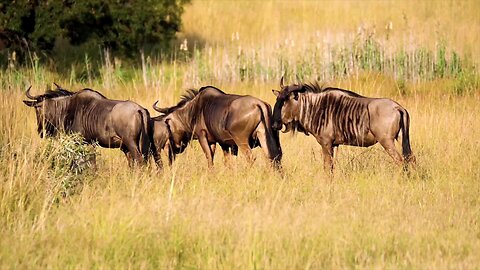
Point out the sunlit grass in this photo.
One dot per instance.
(237, 216)
(407, 23)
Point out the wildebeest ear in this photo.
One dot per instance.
(295, 95)
(275, 92)
(29, 103)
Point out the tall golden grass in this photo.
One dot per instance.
(407, 23)
(237, 216)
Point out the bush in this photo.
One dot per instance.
(126, 27)
(71, 162)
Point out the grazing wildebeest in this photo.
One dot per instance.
(335, 116)
(233, 121)
(175, 143)
(110, 123)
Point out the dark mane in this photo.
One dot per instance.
(49, 94)
(316, 88)
(184, 99)
(188, 96)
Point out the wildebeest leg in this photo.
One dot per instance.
(202, 138)
(226, 154)
(156, 157)
(245, 148)
(127, 155)
(213, 147)
(335, 151)
(134, 152)
(327, 150)
(389, 146)
(170, 153)
(234, 150)
(92, 159)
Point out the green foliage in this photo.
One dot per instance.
(466, 82)
(126, 27)
(33, 20)
(71, 161)
(441, 62)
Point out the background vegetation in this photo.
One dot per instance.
(55, 213)
(125, 27)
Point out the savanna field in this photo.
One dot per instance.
(371, 214)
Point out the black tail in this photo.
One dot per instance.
(273, 141)
(405, 127)
(145, 135)
(169, 145)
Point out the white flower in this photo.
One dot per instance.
(184, 45)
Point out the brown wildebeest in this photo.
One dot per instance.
(175, 143)
(110, 123)
(233, 121)
(335, 116)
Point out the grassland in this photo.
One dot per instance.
(370, 215)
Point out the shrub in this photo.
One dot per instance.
(126, 27)
(72, 161)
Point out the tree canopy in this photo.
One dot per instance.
(124, 26)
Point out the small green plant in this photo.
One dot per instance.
(466, 82)
(441, 61)
(71, 162)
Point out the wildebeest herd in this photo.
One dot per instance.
(333, 116)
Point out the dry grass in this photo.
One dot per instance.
(371, 215)
(411, 23)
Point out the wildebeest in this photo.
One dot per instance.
(233, 121)
(110, 123)
(176, 142)
(336, 116)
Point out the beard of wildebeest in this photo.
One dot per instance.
(234, 122)
(336, 116)
(110, 123)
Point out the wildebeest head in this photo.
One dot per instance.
(179, 128)
(50, 114)
(286, 109)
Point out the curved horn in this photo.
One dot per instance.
(58, 86)
(281, 82)
(158, 109)
(298, 89)
(29, 95)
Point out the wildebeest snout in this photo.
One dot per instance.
(277, 125)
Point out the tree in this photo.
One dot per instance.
(124, 26)
(34, 21)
